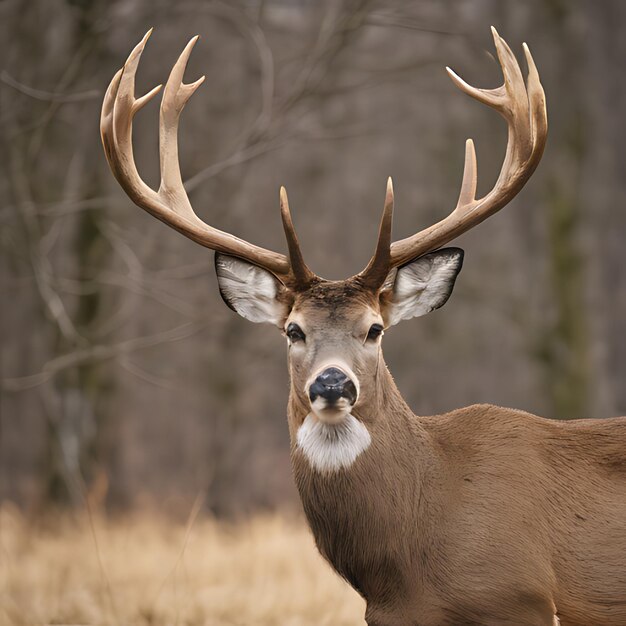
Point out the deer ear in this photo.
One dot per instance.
(251, 291)
(420, 286)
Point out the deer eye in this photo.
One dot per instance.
(375, 331)
(295, 333)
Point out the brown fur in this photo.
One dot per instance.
(481, 516)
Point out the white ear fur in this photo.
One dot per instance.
(250, 290)
(422, 285)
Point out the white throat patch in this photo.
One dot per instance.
(330, 447)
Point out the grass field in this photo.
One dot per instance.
(142, 571)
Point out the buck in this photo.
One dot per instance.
(481, 516)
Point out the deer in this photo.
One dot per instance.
(480, 516)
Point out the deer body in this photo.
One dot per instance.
(483, 516)
(445, 542)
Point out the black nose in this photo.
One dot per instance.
(331, 385)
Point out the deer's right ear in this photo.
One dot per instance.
(251, 291)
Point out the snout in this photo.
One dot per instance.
(334, 387)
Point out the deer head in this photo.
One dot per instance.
(333, 328)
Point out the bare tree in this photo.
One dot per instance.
(123, 372)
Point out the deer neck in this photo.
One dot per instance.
(357, 513)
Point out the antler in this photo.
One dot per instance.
(170, 203)
(524, 109)
(522, 106)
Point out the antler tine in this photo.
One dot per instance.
(470, 177)
(175, 96)
(374, 275)
(524, 109)
(106, 120)
(118, 109)
(538, 115)
(302, 275)
(170, 204)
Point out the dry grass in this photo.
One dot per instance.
(141, 571)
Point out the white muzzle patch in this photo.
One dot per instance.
(331, 447)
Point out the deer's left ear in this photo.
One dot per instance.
(420, 286)
(251, 291)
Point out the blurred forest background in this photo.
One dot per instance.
(125, 379)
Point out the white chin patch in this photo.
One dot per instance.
(333, 414)
(332, 446)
